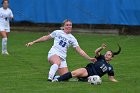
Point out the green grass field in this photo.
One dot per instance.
(26, 69)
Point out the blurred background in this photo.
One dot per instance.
(92, 16)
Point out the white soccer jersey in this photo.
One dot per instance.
(61, 43)
(5, 15)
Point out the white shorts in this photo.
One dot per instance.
(4, 29)
(63, 60)
(4, 26)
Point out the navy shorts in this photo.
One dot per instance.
(90, 69)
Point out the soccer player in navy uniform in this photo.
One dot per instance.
(100, 67)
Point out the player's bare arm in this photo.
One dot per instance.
(84, 54)
(98, 50)
(111, 78)
(42, 39)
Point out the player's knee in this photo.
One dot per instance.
(62, 71)
(58, 63)
(74, 74)
(3, 35)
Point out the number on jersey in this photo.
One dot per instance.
(104, 68)
(62, 43)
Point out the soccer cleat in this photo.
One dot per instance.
(55, 80)
(5, 53)
(56, 76)
(82, 79)
(49, 79)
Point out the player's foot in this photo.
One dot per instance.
(49, 79)
(5, 53)
(55, 80)
(82, 79)
(56, 76)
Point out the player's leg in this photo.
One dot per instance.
(3, 34)
(4, 42)
(63, 67)
(62, 71)
(81, 72)
(55, 60)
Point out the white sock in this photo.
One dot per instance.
(4, 44)
(52, 71)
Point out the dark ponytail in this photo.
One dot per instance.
(116, 53)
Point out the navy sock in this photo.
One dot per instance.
(65, 77)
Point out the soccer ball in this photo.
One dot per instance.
(95, 80)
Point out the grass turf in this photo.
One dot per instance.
(26, 69)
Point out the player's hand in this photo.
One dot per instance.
(103, 46)
(114, 80)
(93, 59)
(29, 44)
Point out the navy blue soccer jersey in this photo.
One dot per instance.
(100, 67)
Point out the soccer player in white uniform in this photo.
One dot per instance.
(57, 54)
(5, 15)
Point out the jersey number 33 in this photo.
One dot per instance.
(62, 43)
